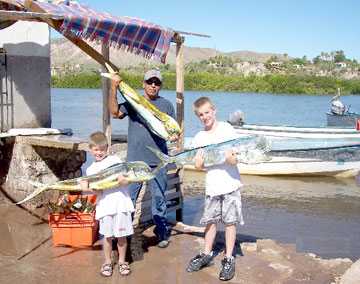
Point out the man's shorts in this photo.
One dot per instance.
(225, 208)
(118, 225)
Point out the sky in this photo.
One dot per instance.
(295, 27)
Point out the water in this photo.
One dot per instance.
(81, 109)
(319, 215)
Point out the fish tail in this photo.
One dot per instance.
(40, 188)
(108, 67)
(164, 159)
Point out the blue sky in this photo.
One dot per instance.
(295, 27)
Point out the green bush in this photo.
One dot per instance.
(276, 83)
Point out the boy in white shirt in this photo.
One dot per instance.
(222, 194)
(113, 208)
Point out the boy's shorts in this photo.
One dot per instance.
(118, 225)
(225, 208)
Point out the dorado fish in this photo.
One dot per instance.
(133, 172)
(159, 123)
(249, 150)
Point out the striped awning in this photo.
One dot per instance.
(132, 34)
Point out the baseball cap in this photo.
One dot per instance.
(153, 74)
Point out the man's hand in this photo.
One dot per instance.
(199, 159)
(173, 138)
(115, 80)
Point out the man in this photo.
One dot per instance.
(140, 136)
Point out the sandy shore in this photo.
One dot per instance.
(28, 255)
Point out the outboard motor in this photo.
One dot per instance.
(236, 118)
(337, 107)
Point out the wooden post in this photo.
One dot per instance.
(180, 89)
(105, 93)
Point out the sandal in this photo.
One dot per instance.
(106, 269)
(124, 266)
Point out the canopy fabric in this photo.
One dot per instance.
(132, 34)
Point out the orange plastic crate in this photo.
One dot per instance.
(74, 229)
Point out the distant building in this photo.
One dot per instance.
(25, 76)
(340, 64)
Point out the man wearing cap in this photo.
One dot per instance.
(140, 136)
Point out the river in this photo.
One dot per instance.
(319, 215)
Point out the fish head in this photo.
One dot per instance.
(172, 128)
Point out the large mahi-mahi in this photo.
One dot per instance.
(159, 123)
(249, 150)
(137, 171)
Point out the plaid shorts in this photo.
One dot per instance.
(225, 208)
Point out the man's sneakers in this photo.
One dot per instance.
(162, 241)
(203, 260)
(200, 261)
(227, 269)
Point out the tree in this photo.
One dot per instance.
(332, 53)
(316, 59)
(339, 56)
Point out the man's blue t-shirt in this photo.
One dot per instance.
(140, 136)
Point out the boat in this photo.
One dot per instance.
(336, 157)
(339, 116)
(35, 131)
(284, 131)
(347, 119)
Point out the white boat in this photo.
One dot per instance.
(297, 131)
(35, 131)
(337, 157)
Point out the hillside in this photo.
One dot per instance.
(63, 52)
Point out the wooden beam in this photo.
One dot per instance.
(193, 34)
(180, 91)
(27, 16)
(12, 2)
(105, 94)
(56, 24)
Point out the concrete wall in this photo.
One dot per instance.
(25, 76)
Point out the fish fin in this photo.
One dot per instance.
(164, 159)
(40, 188)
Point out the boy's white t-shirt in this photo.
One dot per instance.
(224, 178)
(112, 200)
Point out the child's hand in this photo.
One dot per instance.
(84, 184)
(230, 156)
(199, 159)
(122, 180)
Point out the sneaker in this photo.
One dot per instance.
(200, 261)
(228, 268)
(163, 241)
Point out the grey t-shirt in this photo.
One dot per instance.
(140, 136)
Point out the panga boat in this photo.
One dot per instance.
(297, 131)
(347, 119)
(337, 157)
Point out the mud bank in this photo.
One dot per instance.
(27, 255)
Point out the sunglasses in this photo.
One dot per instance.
(150, 82)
